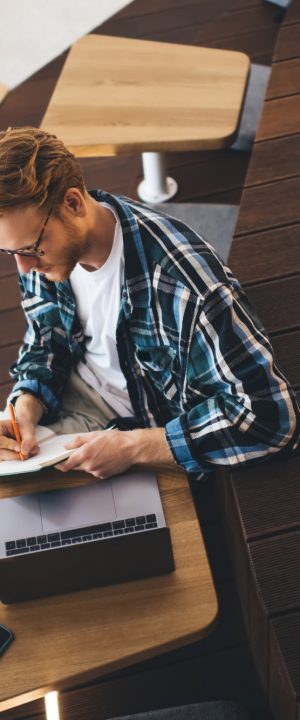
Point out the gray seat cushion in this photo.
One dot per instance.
(255, 95)
(214, 222)
(216, 710)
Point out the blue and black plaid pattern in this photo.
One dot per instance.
(196, 358)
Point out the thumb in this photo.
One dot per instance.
(28, 438)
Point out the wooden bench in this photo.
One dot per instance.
(261, 505)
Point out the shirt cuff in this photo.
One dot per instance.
(178, 438)
(42, 392)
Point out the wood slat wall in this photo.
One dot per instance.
(261, 505)
(222, 666)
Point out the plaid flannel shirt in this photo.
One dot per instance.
(195, 356)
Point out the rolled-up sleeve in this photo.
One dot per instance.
(239, 406)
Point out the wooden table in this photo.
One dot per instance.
(3, 91)
(75, 638)
(119, 95)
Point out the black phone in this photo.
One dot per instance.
(6, 637)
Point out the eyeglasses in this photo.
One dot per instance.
(32, 250)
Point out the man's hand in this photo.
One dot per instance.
(104, 453)
(28, 412)
(9, 448)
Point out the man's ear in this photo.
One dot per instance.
(74, 202)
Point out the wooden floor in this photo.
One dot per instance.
(221, 666)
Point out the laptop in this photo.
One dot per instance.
(71, 539)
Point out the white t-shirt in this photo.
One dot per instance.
(98, 295)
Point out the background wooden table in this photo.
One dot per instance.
(121, 95)
(71, 639)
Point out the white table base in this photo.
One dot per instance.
(156, 186)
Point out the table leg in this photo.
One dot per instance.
(156, 186)
(51, 706)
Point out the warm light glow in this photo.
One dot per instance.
(51, 706)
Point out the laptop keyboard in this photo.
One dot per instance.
(81, 535)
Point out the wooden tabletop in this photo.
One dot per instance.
(63, 641)
(119, 95)
(3, 91)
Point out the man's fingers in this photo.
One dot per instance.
(70, 463)
(10, 448)
(7, 443)
(8, 455)
(34, 450)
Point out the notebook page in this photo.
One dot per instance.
(51, 451)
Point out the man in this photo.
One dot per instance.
(132, 321)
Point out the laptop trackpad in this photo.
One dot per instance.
(77, 507)
(20, 517)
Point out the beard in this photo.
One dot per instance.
(69, 256)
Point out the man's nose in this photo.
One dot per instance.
(24, 264)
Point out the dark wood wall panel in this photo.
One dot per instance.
(8, 355)
(276, 562)
(258, 46)
(34, 711)
(114, 174)
(287, 45)
(285, 79)
(153, 22)
(12, 326)
(239, 22)
(187, 35)
(293, 15)
(287, 355)
(280, 117)
(207, 22)
(267, 505)
(284, 647)
(139, 9)
(227, 504)
(258, 629)
(28, 102)
(195, 172)
(244, 4)
(277, 303)
(275, 590)
(261, 504)
(173, 684)
(9, 292)
(4, 392)
(269, 206)
(263, 256)
(274, 160)
(7, 265)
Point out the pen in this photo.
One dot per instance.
(15, 428)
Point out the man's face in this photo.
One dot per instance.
(62, 241)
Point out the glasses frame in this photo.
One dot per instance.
(32, 250)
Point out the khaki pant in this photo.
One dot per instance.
(83, 409)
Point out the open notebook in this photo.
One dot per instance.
(52, 451)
